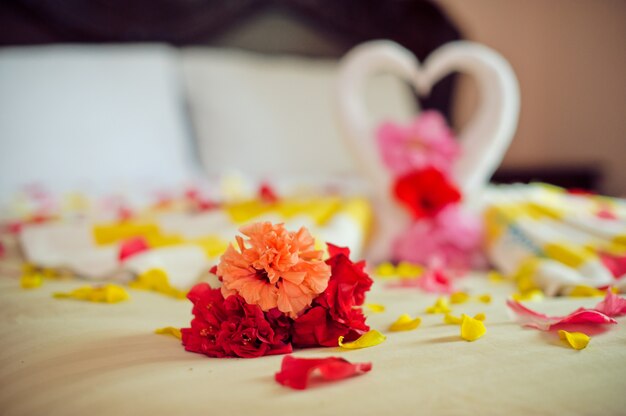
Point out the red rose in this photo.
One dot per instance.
(347, 285)
(232, 328)
(335, 311)
(318, 328)
(425, 192)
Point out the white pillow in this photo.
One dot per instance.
(75, 117)
(273, 116)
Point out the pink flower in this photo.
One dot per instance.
(274, 268)
(426, 142)
(452, 238)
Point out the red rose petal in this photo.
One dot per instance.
(543, 322)
(612, 305)
(616, 264)
(131, 247)
(434, 280)
(267, 194)
(334, 250)
(296, 372)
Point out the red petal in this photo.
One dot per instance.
(616, 264)
(267, 194)
(612, 305)
(296, 372)
(334, 250)
(538, 320)
(131, 247)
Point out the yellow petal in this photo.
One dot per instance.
(472, 329)
(405, 323)
(440, 306)
(375, 307)
(486, 298)
(584, 291)
(169, 330)
(108, 293)
(452, 320)
(532, 296)
(369, 339)
(114, 232)
(480, 316)
(156, 280)
(459, 297)
(408, 270)
(576, 340)
(31, 280)
(495, 277)
(385, 269)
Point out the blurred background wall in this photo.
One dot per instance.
(570, 58)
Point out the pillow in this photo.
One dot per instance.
(273, 116)
(91, 117)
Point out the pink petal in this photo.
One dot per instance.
(296, 372)
(612, 305)
(543, 322)
(616, 264)
(131, 247)
(434, 280)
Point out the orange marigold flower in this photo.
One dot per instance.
(274, 268)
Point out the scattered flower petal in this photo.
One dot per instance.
(406, 270)
(405, 323)
(480, 316)
(385, 269)
(169, 330)
(486, 298)
(543, 322)
(267, 194)
(452, 320)
(495, 277)
(612, 305)
(459, 297)
(296, 372)
(440, 306)
(456, 320)
(156, 280)
(375, 307)
(533, 295)
(615, 263)
(584, 291)
(31, 280)
(472, 329)
(576, 340)
(108, 293)
(131, 247)
(369, 339)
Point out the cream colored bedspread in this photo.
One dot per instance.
(67, 357)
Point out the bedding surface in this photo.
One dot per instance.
(62, 357)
